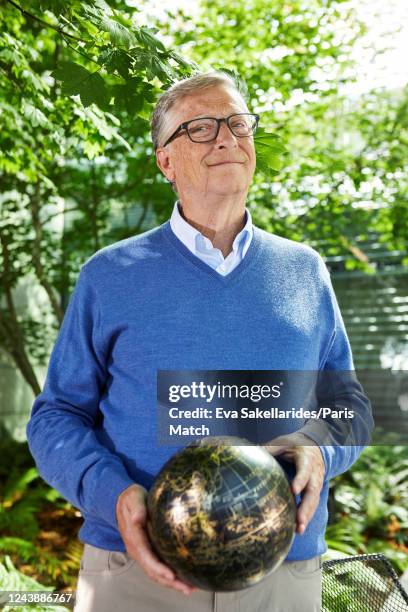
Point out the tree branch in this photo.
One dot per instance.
(80, 52)
(142, 217)
(36, 254)
(45, 23)
(10, 326)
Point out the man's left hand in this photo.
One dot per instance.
(310, 472)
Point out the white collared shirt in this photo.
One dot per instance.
(202, 247)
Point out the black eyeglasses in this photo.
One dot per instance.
(206, 129)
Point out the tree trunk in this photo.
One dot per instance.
(9, 334)
(36, 254)
(10, 328)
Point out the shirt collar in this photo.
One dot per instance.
(192, 237)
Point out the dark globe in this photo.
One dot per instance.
(221, 514)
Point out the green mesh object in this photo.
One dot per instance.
(364, 583)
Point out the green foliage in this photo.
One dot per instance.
(344, 174)
(20, 499)
(76, 79)
(50, 133)
(23, 497)
(269, 152)
(372, 506)
(62, 568)
(11, 579)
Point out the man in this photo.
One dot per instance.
(206, 290)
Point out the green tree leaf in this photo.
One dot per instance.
(269, 152)
(146, 37)
(77, 80)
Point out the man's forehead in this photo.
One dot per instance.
(209, 102)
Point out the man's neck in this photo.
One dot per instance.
(220, 224)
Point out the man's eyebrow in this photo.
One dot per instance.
(205, 116)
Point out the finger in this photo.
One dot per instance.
(182, 586)
(276, 449)
(282, 443)
(151, 564)
(303, 473)
(308, 506)
(140, 549)
(133, 504)
(155, 572)
(176, 584)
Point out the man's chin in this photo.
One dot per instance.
(227, 190)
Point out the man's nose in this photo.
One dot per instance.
(225, 137)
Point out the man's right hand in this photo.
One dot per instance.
(131, 513)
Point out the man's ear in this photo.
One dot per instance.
(164, 163)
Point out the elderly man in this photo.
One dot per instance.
(207, 290)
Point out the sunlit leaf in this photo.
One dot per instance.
(147, 38)
(269, 152)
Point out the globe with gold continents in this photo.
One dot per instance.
(221, 514)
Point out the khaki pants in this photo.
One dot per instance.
(111, 581)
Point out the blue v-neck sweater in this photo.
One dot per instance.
(147, 303)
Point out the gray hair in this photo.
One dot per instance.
(186, 87)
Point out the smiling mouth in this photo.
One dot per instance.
(226, 163)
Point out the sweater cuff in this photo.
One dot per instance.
(319, 433)
(106, 495)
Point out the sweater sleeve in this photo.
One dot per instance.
(60, 431)
(341, 440)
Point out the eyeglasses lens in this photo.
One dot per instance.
(202, 130)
